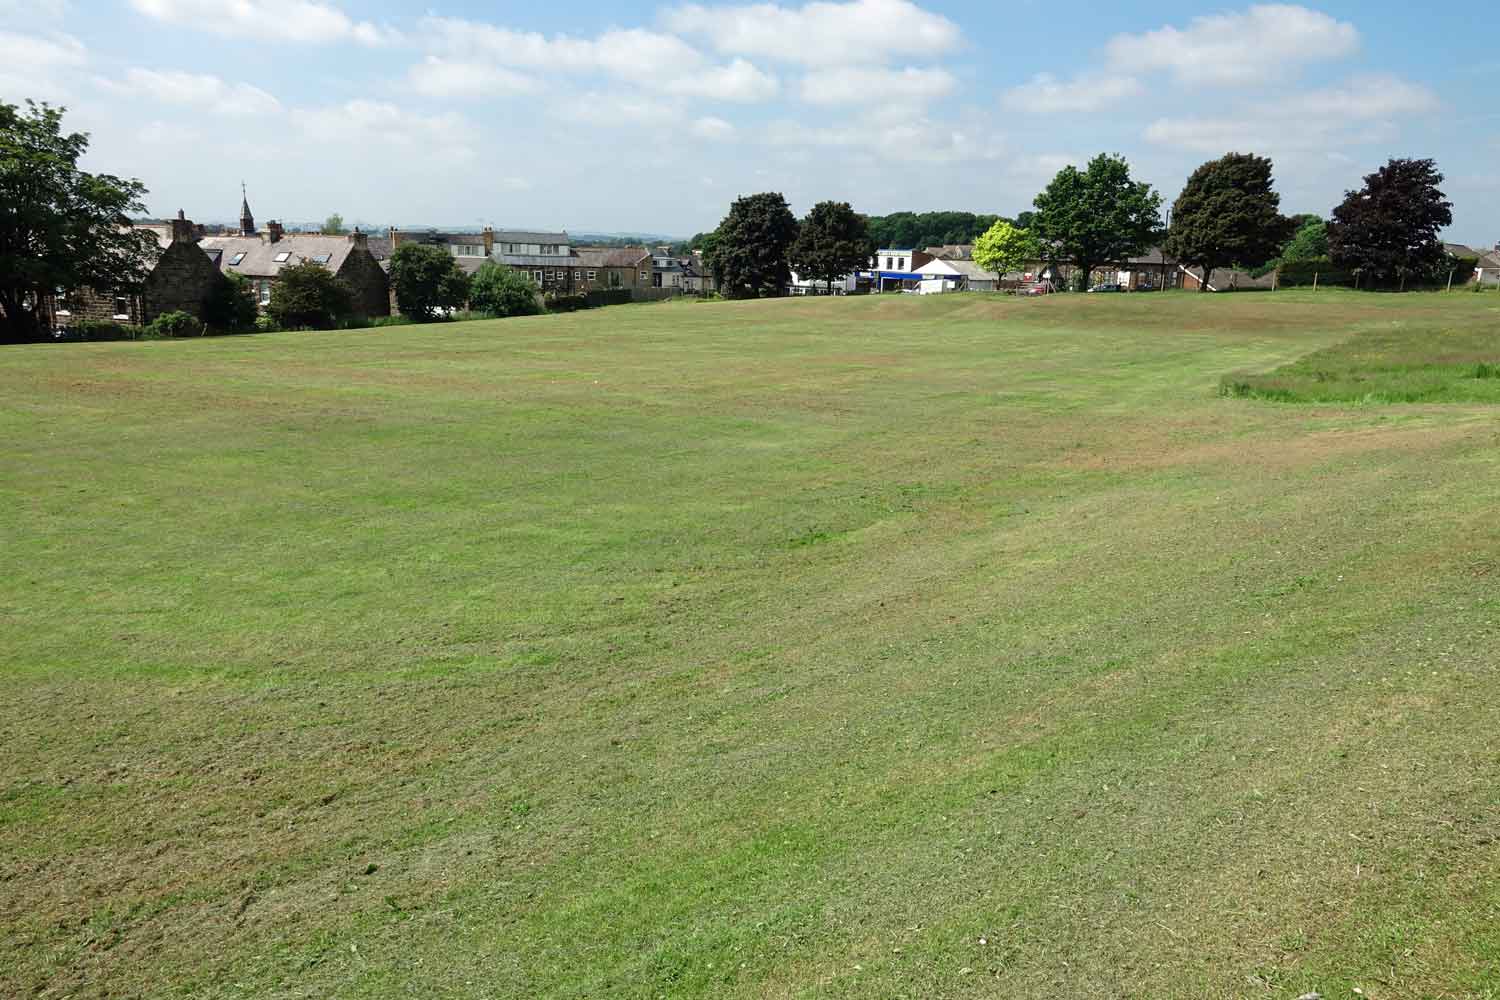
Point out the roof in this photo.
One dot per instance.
(1154, 256)
(611, 256)
(952, 251)
(433, 236)
(1228, 277)
(260, 254)
(523, 236)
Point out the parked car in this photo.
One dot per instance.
(1036, 290)
(1107, 287)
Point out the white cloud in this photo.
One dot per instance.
(36, 66)
(740, 81)
(193, 90)
(437, 77)
(1364, 97)
(365, 123)
(1046, 94)
(278, 20)
(615, 108)
(819, 34)
(1252, 47)
(710, 127)
(862, 84)
(633, 53)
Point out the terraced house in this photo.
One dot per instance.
(260, 257)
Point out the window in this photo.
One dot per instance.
(591, 275)
(122, 306)
(901, 263)
(536, 276)
(264, 287)
(235, 260)
(283, 257)
(467, 250)
(322, 258)
(890, 264)
(645, 275)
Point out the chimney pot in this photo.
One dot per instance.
(183, 230)
(359, 239)
(274, 231)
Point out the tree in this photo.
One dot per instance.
(503, 291)
(750, 258)
(1004, 248)
(1388, 230)
(60, 227)
(427, 281)
(232, 304)
(334, 225)
(831, 242)
(1228, 215)
(1096, 215)
(309, 296)
(917, 230)
(1309, 242)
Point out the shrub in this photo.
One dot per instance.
(175, 324)
(1300, 273)
(232, 305)
(94, 330)
(427, 280)
(265, 324)
(503, 291)
(308, 296)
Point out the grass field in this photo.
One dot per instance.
(886, 647)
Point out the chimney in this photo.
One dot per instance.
(360, 240)
(183, 230)
(489, 240)
(273, 230)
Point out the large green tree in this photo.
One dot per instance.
(1228, 215)
(750, 257)
(1004, 247)
(334, 225)
(1309, 242)
(918, 230)
(60, 227)
(427, 280)
(1097, 215)
(833, 241)
(503, 291)
(308, 296)
(1388, 230)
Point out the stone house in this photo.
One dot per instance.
(548, 259)
(470, 250)
(261, 256)
(178, 278)
(611, 267)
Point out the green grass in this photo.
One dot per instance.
(780, 649)
(1414, 360)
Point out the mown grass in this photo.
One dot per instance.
(1405, 362)
(897, 647)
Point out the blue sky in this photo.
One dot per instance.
(569, 115)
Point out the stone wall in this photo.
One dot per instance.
(184, 279)
(367, 280)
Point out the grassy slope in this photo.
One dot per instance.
(779, 649)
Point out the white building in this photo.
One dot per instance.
(846, 285)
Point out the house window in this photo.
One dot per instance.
(283, 257)
(890, 264)
(322, 258)
(467, 250)
(264, 287)
(645, 275)
(536, 275)
(122, 307)
(591, 275)
(235, 260)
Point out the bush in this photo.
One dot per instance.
(265, 324)
(588, 300)
(94, 330)
(175, 324)
(1300, 273)
(232, 306)
(307, 296)
(427, 280)
(503, 291)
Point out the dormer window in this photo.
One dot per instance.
(235, 260)
(283, 257)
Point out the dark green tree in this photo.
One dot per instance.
(60, 227)
(1228, 215)
(1388, 230)
(503, 291)
(307, 296)
(919, 230)
(833, 241)
(1097, 215)
(231, 306)
(427, 280)
(750, 258)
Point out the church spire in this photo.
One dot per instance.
(247, 221)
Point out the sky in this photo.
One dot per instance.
(603, 119)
